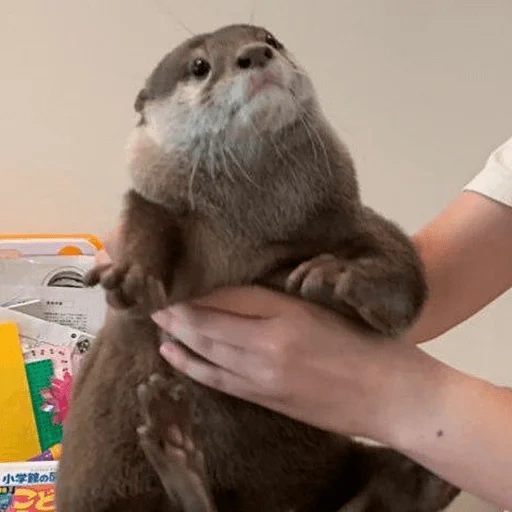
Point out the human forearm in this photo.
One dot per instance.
(458, 426)
(459, 248)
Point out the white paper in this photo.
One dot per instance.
(82, 309)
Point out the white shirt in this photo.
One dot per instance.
(495, 179)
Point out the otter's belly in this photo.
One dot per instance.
(272, 461)
(102, 461)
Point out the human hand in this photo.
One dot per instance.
(295, 358)
(111, 244)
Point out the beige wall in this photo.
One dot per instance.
(421, 91)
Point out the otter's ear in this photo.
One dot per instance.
(141, 99)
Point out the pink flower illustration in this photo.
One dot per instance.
(57, 398)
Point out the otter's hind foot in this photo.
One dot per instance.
(168, 437)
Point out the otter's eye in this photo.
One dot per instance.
(200, 67)
(272, 41)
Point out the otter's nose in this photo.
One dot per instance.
(254, 56)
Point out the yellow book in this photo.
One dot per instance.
(19, 439)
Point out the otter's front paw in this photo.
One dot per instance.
(127, 285)
(169, 439)
(379, 298)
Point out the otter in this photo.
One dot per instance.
(238, 179)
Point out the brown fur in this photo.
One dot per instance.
(297, 199)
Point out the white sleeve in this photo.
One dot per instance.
(495, 179)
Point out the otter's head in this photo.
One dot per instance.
(228, 86)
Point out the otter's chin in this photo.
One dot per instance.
(270, 110)
(138, 145)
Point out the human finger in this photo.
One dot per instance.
(102, 258)
(214, 324)
(206, 373)
(239, 360)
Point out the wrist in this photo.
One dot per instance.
(414, 392)
(459, 428)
